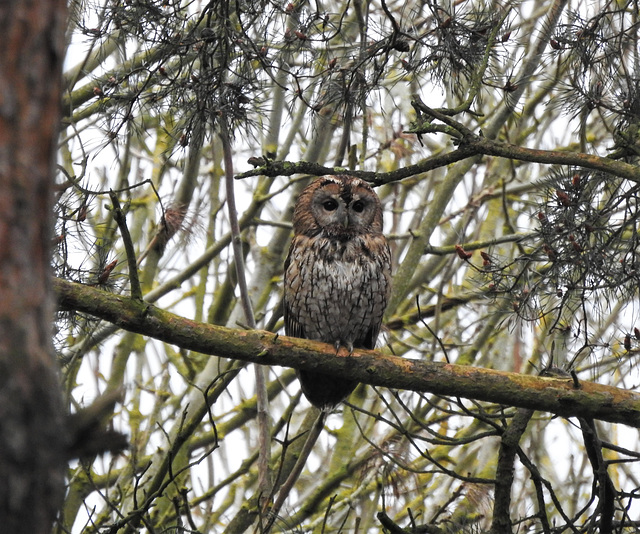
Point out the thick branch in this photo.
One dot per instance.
(555, 395)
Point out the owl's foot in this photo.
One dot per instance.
(348, 347)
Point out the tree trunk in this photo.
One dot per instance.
(32, 448)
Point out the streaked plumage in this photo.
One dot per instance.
(337, 276)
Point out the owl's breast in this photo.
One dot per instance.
(337, 291)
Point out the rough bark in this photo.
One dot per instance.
(31, 420)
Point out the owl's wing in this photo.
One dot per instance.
(381, 251)
(291, 325)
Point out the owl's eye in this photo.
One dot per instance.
(330, 205)
(358, 206)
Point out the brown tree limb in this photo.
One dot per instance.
(480, 145)
(501, 523)
(289, 168)
(469, 145)
(487, 147)
(606, 488)
(121, 221)
(556, 395)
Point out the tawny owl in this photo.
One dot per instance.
(337, 276)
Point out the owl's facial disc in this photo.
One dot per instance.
(330, 209)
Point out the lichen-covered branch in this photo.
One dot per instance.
(556, 395)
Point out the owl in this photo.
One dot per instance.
(337, 276)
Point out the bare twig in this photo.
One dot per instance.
(606, 488)
(118, 215)
(264, 481)
(288, 484)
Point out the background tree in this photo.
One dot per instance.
(503, 138)
(33, 437)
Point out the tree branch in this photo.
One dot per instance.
(469, 145)
(121, 221)
(505, 471)
(480, 145)
(289, 168)
(555, 395)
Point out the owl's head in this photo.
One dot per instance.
(338, 205)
